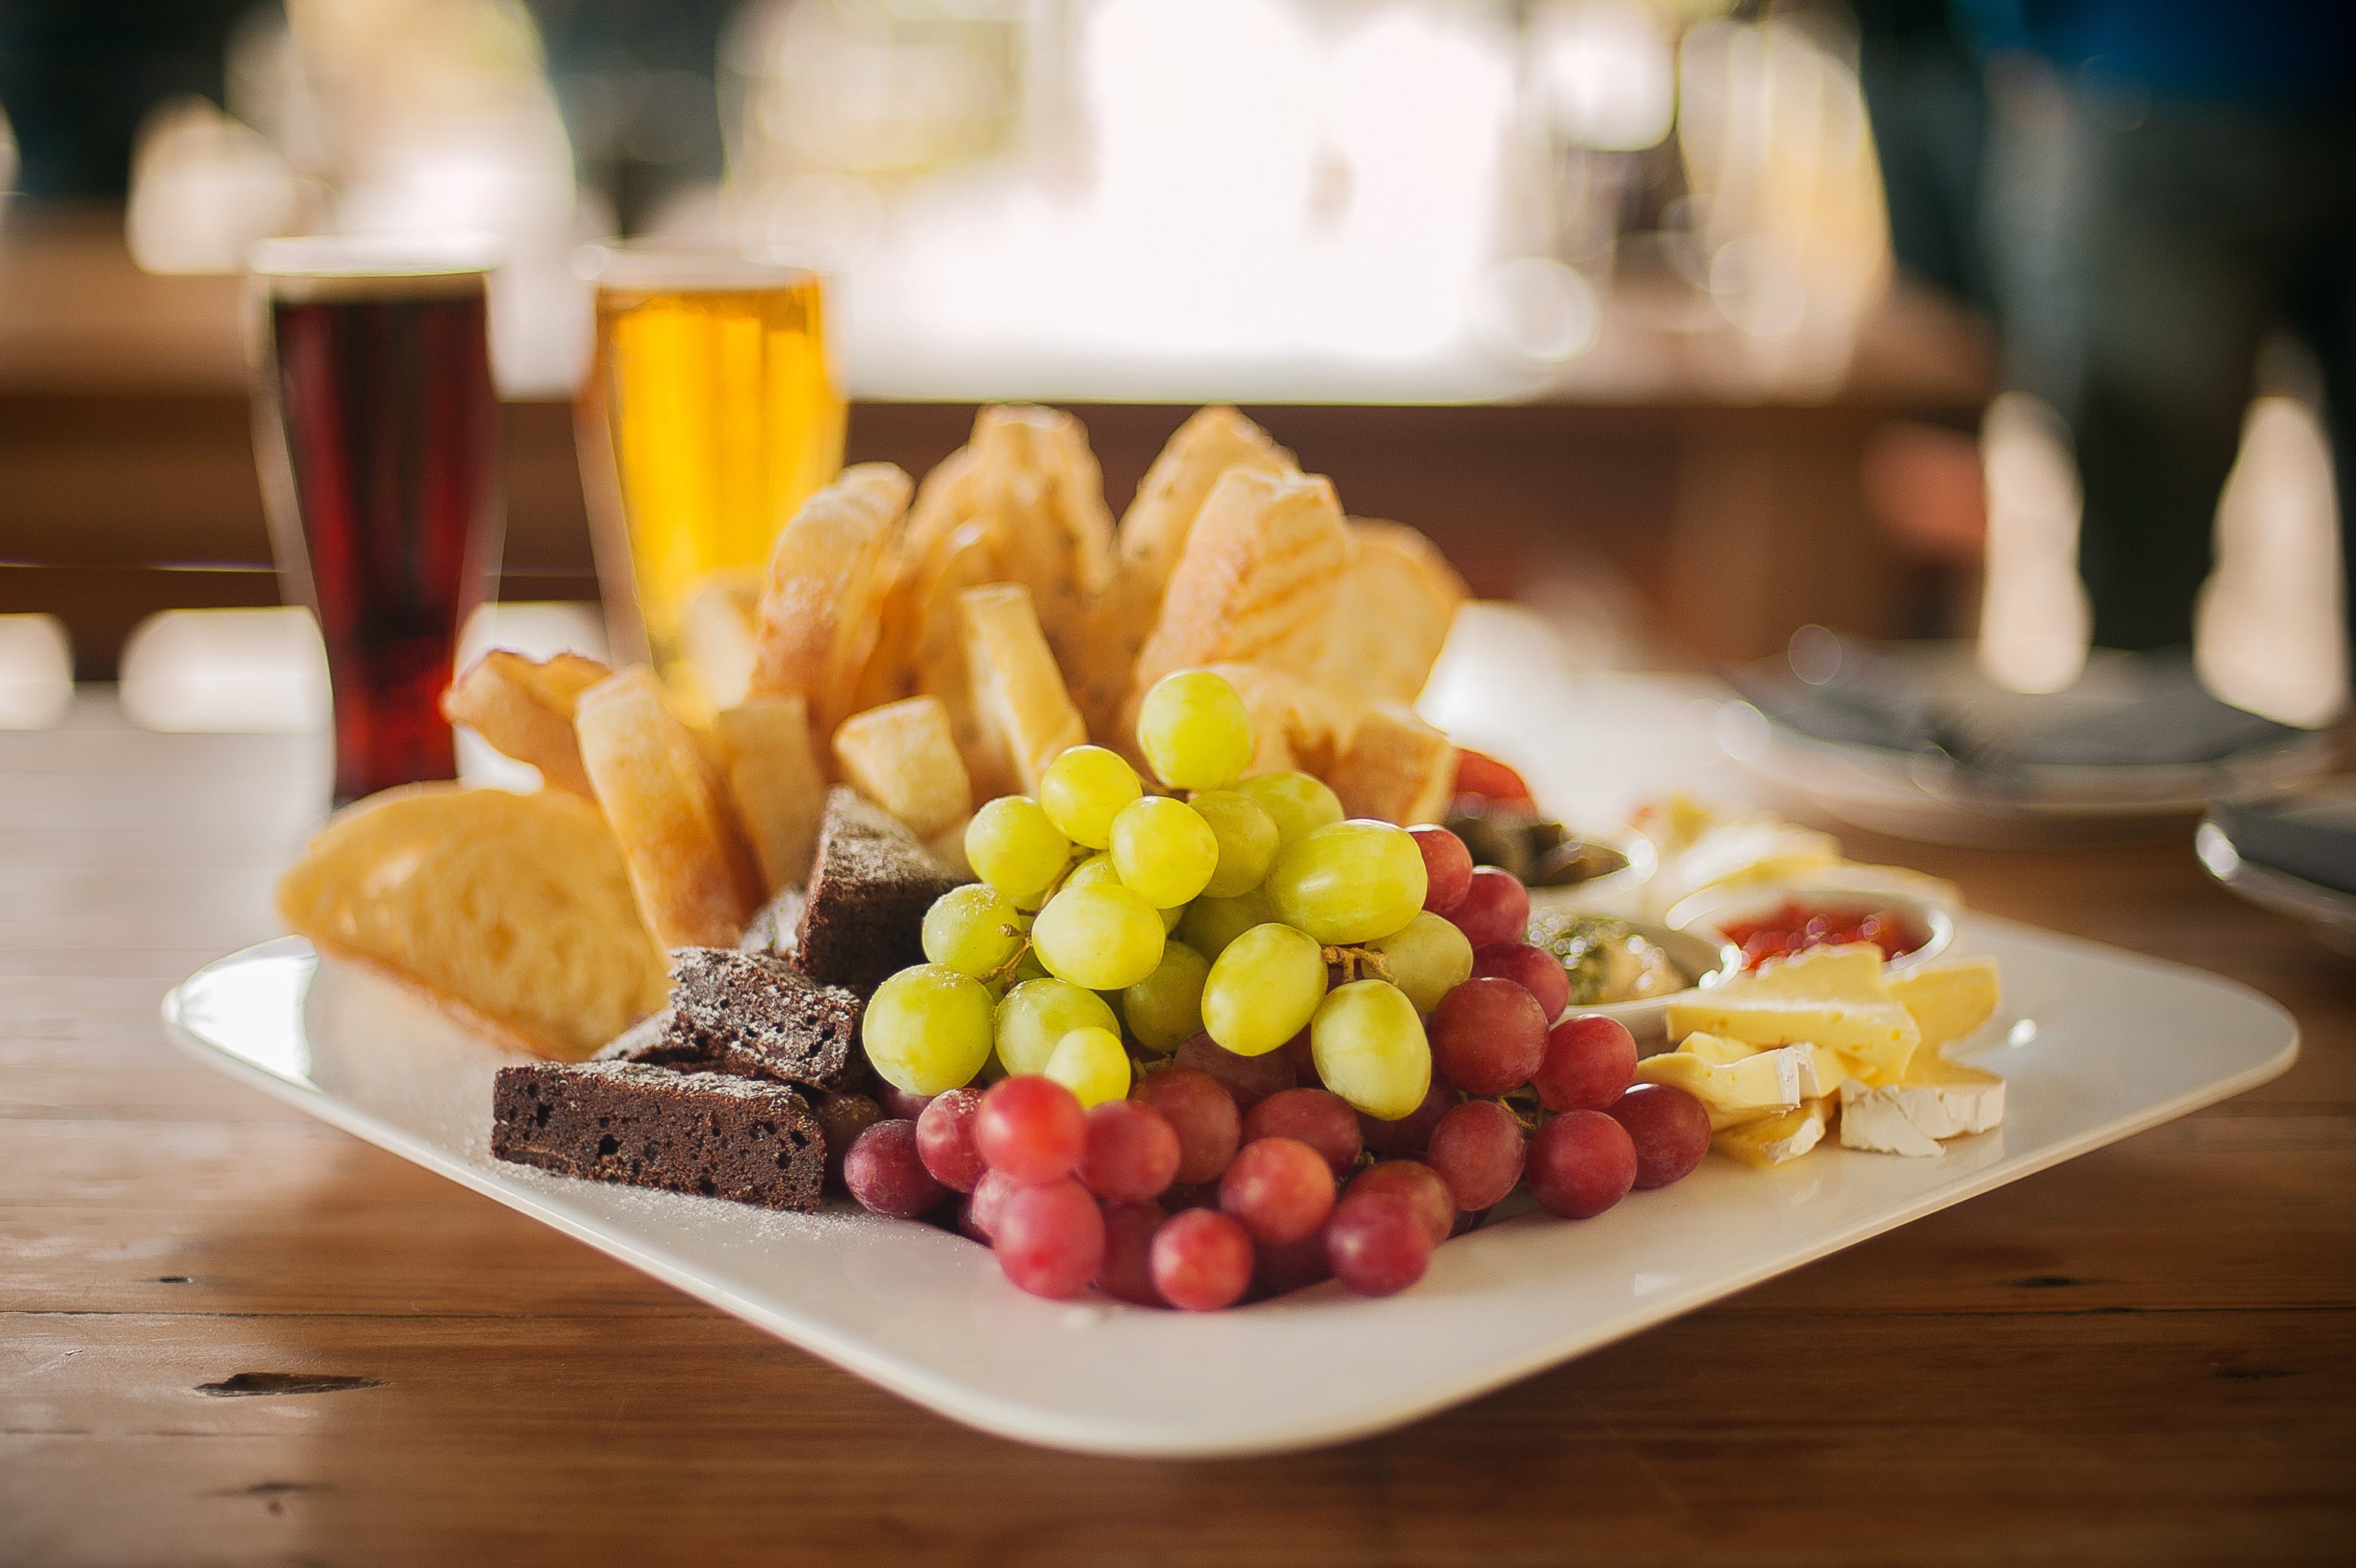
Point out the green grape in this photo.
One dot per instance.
(1013, 846)
(1099, 868)
(1298, 803)
(1352, 882)
(1103, 936)
(1091, 1064)
(1165, 1009)
(927, 1029)
(1263, 989)
(1212, 923)
(1038, 1015)
(1083, 789)
(1195, 731)
(1427, 957)
(973, 930)
(1163, 850)
(1247, 841)
(1370, 1049)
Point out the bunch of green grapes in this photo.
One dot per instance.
(1112, 922)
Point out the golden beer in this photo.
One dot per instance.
(708, 417)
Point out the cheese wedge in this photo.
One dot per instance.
(903, 757)
(1773, 1140)
(1821, 1074)
(1951, 1001)
(1766, 1084)
(1937, 1099)
(773, 775)
(1827, 997)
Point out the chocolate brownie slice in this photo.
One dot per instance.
(702, 1133)
(863, 913)
(757, 1017)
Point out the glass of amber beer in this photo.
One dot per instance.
(377, 431)
(708, 416)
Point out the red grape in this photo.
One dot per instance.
(1132, 1151)
(1050, 1238)
(1581, 1162)
(1290, 1267)
(1201, 1112)
(1030, 1128)
(1202, 1261)
(1487, 1036)
(1377, 1244)
(1478, 1149)
(1279, 1189)
(899, 1102)
(1532, 968)
(978, 1215)
(1669, 1128)
(1590, 1061)
(1495, 908)
(1249, 1080)
(944, 1139)
(1418, 1184)
(1411, 1133)
(885, 1174)
(1127, 1272)
(1446, 868)
(1318, 1117)
(843, 1117)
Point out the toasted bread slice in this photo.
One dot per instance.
(904, 757)
(693, 875)
(959, 561)
(513, 913)
(1041, 501)
(1399, 599)
(1258, 581)
(1395, 767)
(1025, 716)
(778, 787)
(524, 707)
(1153, 534)
(716, 630)
(826, 583)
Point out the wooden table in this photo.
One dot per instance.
(2143, 1356)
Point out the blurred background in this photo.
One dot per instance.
(2028, 323)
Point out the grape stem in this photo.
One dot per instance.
(1022, 951)
(1352, 960)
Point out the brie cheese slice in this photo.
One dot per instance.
(1773, 1140)
(1937, 1099)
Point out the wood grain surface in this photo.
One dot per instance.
(230, 1334)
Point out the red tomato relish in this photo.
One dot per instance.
(1795, 927)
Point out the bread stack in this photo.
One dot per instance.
(930, 646)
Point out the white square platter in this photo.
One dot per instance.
(2097, 1045)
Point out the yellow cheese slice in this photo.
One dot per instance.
(1772, 1140)
(1951, 1001)
(1834, 997)
(1822, 1073)
(1763, 1085)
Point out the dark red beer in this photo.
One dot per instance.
(377, 389)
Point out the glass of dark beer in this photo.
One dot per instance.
(377, 430)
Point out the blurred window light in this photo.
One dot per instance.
(36, 671)
(1607, 71)
(2269, 635)
(256, 670)
(2034, 618)
(203, 190)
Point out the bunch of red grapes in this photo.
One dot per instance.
(1224, 1176)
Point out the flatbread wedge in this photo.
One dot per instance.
(826, 583)
(513, 914)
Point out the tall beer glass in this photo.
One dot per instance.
(708, 416)
(378, 434)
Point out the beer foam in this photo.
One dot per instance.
(325, 267)
(656, 271)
